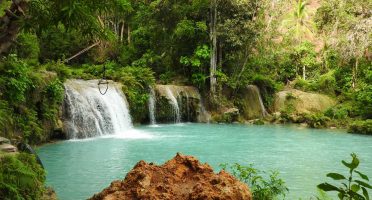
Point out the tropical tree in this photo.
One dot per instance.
(349, 26)
(299, 22)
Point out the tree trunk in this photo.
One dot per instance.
(355, 70)
(213, 37)
(129, 34)
(304, 72)
(122, 31)
(9, 24)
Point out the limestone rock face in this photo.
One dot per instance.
(182, 178)
(302, 102)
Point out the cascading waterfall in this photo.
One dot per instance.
(87, 113)
(174, 103)
(256, 90)
(152, 104)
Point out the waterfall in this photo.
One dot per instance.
(87, 113)
(174, 103)
(255, 91)
(152, 104)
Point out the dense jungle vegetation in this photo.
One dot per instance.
(218, 46)
(215, 45)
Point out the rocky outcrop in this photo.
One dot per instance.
(182, 178)
(5, 146)
(300, 102)
(179, 104)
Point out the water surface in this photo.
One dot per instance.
(77, 169)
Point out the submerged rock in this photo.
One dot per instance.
(182, 178)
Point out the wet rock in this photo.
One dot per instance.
(182, 178)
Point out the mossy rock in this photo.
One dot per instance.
(361, 127)
(299, 102)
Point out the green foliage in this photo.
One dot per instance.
(263, 185)
(350, 188)
(339, 112)
(317, 120)
(304, 56)
(21, 177)
(58, 43)
(363, 99)
(27, 47)
(30, 100)
(136, 81)
(361, 127)
(198, 65)
(16, 81)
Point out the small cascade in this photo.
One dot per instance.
(152, 106)
(255, 98)
(264, 112)
(204, 115)
(174, 103)
(87, 113)
(179, 104)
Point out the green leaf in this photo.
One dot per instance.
(363, 176)
(355, 188)
(365, 193)
(354, 163)
(364, 184)
(328, 187)
(336, 176)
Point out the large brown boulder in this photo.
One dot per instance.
(182, 178)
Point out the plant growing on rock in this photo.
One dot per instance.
(350, 188)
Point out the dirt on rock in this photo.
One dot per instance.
(182, 178)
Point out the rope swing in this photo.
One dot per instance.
(103, 81)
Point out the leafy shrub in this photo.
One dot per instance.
(53, 98)
(317, 120)
(136, 81)
(61, 69)
(27, 47)
(327, 83)
(263, 185)
(301, 84)
(15, 79)
(21, 177)
(362, 127)
(338, 112)
(363, 100)
(350, 188)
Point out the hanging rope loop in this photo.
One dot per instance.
(103, 81)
